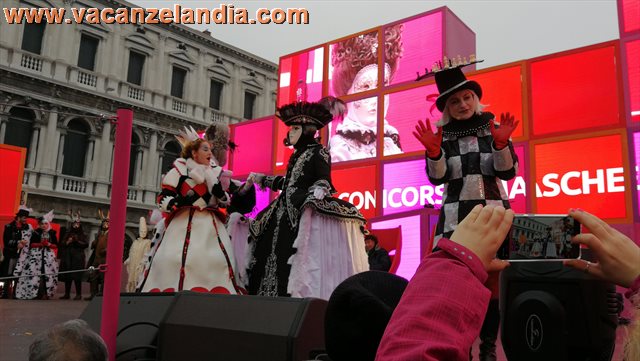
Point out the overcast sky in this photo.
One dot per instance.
(506, 30)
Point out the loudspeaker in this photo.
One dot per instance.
(226, 327)
(138, 323)
(552, 312)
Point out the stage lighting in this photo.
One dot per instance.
(556, 313)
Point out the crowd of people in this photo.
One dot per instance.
(306, 242)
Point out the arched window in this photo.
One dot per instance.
(75, 148)
(171, 153)
(19, 128)
(133, 157)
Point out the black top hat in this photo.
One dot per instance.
(358, 313)
(23, 211)
(452, 80)
(318, 113)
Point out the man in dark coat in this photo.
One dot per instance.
(12, 237)
(378, 257)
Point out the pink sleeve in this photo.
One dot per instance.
(442, 309)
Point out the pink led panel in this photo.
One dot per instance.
(301, 77)
(421, 41)
(254, 147)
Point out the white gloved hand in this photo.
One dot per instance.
(319, 193)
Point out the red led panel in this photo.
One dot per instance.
(12, 160)
(502, 92)
(575, 91)
(632, 50)
(254, 147)
(585, 173)
(630, 17)
(358, 186)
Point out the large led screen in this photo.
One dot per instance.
(254, 147)
(502, 93)
(632, 50)
(355, 136)
(575, 91)
(636, 173)
(353, 65)
(301, 77)
(411, 235)
(402, 112)
(584, 173)
(358, 186)
(413, 45)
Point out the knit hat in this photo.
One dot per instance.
(358, 312)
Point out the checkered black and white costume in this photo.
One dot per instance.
(471, 170)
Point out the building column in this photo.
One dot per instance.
(60, 159)
(152, 155)
(52, 128)
(33, 148)
(3, 126)
(88, 160)
(138, 168)
(42, 150)
(105, 153)
(158, 174)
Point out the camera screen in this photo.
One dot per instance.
(541, 237)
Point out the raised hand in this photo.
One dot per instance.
(618, 256)
(502, 134)
(482, 231)
(431, 141)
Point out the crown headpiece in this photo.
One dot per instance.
(446, 64)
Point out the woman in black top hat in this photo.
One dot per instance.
(471, 156)
(306, 242)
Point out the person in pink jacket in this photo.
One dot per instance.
(443, 307)
(441, 311)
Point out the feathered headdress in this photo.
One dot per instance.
(187, 136)
(319, 114)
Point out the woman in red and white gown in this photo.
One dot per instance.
(194, 252)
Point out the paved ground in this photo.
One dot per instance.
(20, 321)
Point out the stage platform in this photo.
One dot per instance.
(21, 321)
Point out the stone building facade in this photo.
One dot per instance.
(60, 85)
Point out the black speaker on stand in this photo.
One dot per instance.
(226, 327)
(138, 323)
(552, 312)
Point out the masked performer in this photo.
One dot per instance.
(38, 258)
(306, 242)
